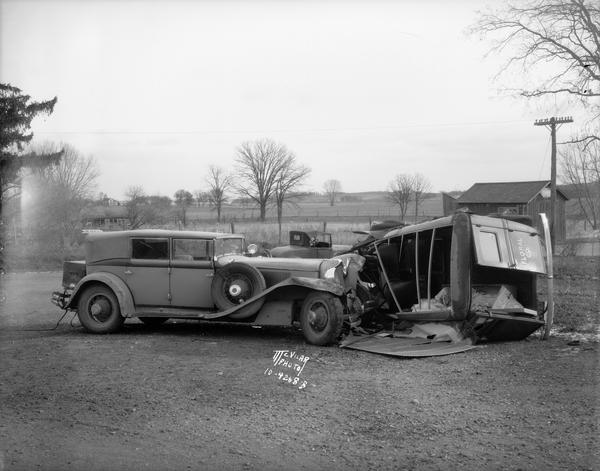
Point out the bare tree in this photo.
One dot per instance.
(136, 205)
(74, 172)
(581, 169)
(183, 199)
(291, 176)
(218, 183)
(562, 34)
(400, 191)
(259, 166)
(420, 186)
(565, 33)
(62, 192)
(332, 188)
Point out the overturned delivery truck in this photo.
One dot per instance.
(478, 272)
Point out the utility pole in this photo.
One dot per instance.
(551, 124)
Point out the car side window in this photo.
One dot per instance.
(150, 249)
(192, 249)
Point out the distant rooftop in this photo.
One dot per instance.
(504, 192)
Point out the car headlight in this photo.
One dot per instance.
(332, 269)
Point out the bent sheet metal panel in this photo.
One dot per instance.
(413, 344)
(407, 347)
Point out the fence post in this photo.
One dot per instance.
(324, 226)
(232, 224)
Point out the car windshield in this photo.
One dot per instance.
(229, 246)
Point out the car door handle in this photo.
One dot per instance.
(128, 272)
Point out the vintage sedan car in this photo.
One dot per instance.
(159, 274)
(308, 244)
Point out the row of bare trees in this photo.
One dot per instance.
(266, 174)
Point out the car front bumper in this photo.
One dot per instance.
(61, 298)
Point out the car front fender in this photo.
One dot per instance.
(116, 284)
(302, 283)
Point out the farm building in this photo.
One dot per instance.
(515, 198)
(106, 218)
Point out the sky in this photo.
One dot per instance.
(360, 91)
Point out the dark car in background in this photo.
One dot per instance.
(308, 244)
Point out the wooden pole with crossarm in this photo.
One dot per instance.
(551, 123)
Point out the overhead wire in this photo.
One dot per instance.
(292, 130)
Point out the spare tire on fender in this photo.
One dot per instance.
(234, 284)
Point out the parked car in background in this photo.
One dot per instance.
(308, 244)
(159, 274)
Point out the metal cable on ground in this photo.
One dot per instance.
(48, 330)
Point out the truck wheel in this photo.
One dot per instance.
(98, 310)
(321, 318)
(234, 284)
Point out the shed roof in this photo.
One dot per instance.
(505, 192)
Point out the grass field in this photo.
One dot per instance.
(267, 233)
(577, 294)
(358, 208)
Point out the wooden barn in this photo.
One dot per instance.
(515, 198)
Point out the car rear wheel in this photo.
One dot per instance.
(98, 310)
(234, 284)
(321, 318)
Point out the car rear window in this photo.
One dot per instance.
(150, 249)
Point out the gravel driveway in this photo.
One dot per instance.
(194, 395)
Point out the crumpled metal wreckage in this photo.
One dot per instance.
(454, 282)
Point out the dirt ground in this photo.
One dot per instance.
(193, 395)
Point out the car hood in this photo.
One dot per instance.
(273, 263)
(287, 249)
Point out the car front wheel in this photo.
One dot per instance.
(321, 318)
(98, 310)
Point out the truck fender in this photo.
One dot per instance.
(116, 284)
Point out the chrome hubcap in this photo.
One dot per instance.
(318, 315)
(238, 289)
(100, 308)
(235, 290)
